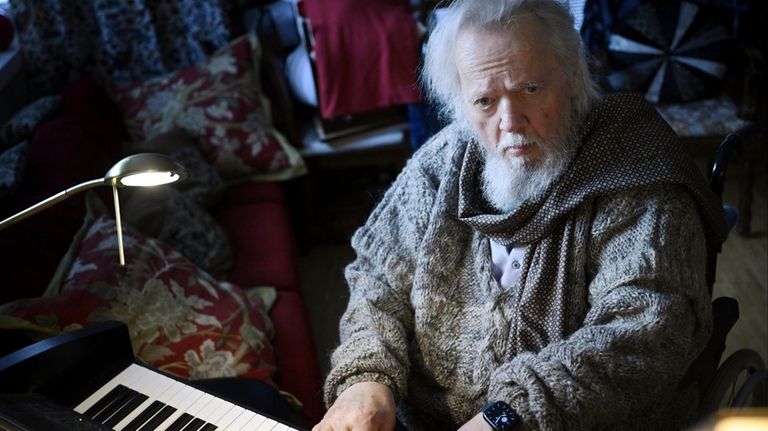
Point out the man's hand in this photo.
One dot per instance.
(477, 423)
(365, 406)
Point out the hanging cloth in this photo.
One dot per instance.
(367, 54)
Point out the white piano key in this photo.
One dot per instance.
(215, 410)
(254, 423)
(133, 380)
(150, 384)
(241, 421)
(267, 425)
(182, 400)
(233, 413)
(129, 372)
(198, 405)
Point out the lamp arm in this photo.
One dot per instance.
(51, 201)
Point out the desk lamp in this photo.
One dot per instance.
(138, 170)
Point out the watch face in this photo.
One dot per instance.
(501, 416)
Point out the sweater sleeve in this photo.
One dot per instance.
(649, 317)
(374, 329)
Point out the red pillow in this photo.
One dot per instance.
(180, 319)
(220, 103)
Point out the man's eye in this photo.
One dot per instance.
(483, 102)
(531, 88)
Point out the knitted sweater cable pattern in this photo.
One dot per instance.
(610, 309)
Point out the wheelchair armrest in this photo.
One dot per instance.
(725, 313)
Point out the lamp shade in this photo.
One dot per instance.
(144, 170)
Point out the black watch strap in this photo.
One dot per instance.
(500, 416)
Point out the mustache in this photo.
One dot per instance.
(514, 140)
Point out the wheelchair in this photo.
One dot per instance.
(741, 380)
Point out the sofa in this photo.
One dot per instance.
(221, 244)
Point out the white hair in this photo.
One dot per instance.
(441, 76)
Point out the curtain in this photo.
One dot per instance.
(116, 42)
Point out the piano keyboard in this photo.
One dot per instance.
(139, 399)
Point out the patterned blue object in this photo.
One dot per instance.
(674, 52)
(115, 42)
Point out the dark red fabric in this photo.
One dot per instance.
(297, 369)
(81, 143)
(252, 192)
(367, 54)
(262, 244)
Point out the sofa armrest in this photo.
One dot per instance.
(297, 365)
(262, 239)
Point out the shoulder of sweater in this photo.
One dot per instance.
(672, 194)
(671, 198)
(441, 152)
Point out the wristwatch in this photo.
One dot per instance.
(500, 416)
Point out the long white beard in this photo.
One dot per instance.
(507, 183)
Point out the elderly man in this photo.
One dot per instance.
(540, 262)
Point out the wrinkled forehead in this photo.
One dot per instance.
(523, 29)
(520, 47)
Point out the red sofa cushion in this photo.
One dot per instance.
(262, 243)
(253, 192)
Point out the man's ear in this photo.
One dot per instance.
(576, 80)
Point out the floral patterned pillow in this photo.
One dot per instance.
(180, 319)
(175, 218)
(221, 104)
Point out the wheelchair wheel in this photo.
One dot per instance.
(754, 392)
(740, 381)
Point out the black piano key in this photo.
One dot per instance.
(159, 418)
(144, 416)
(179, 423)
(104, 401)
(126, 409)
(208, 427)
(195, 425)
(123, 396)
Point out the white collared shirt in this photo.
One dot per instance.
(507, 264)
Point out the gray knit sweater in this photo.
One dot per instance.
(611, 307)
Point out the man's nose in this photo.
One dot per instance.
(512, 118)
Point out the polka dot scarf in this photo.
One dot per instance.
(625, 144)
